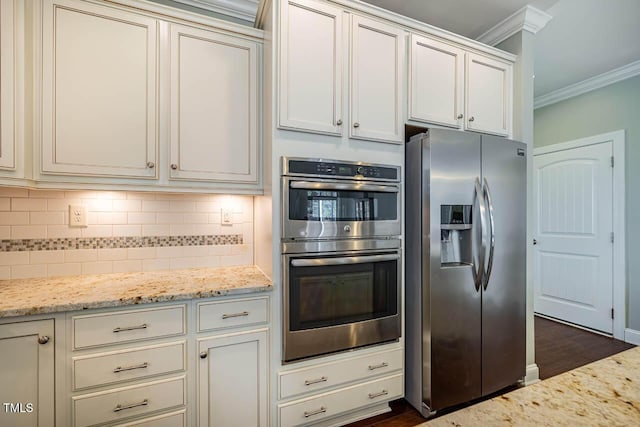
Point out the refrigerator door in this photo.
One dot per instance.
(503, 295)
(452, 304)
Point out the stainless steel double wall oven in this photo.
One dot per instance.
(341, 255)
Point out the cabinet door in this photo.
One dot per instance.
(214, 89)
(233, 380)
(99, 91)
(488, 100)
(27, 374)
(377, 64)
(436, 80)
(7, 88)
(310, 89)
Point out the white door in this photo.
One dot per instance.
(488, 100)
(377, 69)
(436, 81)
(99, 91)
(311, 67)
(214, 89)
(27, 374)
(573, 254)
(233, 380)
(7, 90)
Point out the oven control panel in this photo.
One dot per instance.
(337, 169)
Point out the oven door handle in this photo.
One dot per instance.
(319, 262)
(312, 185)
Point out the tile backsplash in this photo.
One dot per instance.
(127, 231)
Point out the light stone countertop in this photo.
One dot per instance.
(22, 297)
(603, 393)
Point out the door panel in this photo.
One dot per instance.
(311, 67)
(436, 80)
(504, 297)
(573, 191)
(99, 91)
(454, 312)
(213, 106)
(377, 58)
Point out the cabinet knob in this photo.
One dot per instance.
(151, 165)
(339, 122)
(43, 339)
(535, 242)
(174, 166)
(471, 118)
(356, 125)
(203, 355)
(460, 116)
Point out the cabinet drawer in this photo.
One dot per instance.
(174, 419)
(126, 326)
(117, 366)
(227, 314)
(307, 411)
(122, 403)
(332, 374)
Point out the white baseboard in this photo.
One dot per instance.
(533, 374)
(632, 336)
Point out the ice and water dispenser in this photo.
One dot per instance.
(455, 235)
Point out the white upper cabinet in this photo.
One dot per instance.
(489, 98)
(214, 120)
(436, 80)
(446, 91)
(99, 91)
(377, 67)
(311, 62)
(7, 87)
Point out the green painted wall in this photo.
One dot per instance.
(610, 108)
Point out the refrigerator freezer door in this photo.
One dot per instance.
(453, 314)
(503, 299)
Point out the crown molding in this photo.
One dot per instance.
(528, 19)
(593, 83)
(240, 9)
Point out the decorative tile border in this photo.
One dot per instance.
(20, 245)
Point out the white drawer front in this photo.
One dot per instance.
(117, 366)
(227, 314)
(122, 403)
(314, 409)
(126, 326)
(332, 374)
(174, 419)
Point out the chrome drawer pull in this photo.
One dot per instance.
(130, 328)
(308, 414)
(119, 407)
(316, 381)
(130, 368)
(229, 316)
(374, 395)
(374, 367)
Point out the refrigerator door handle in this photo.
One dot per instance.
(492, 240)
(478, 268)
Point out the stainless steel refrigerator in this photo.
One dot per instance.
(465, 267)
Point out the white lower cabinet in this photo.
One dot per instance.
(340, 391)
(27, 373)
(232, 379)
(127, 402)
(333, 403)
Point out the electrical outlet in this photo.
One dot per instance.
(227, 216)
(77, 216)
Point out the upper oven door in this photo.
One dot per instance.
(329, 209)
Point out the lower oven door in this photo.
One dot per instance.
(335, 302)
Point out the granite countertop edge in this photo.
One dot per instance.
(29, 297)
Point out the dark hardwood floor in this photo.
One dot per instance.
(559, 348)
